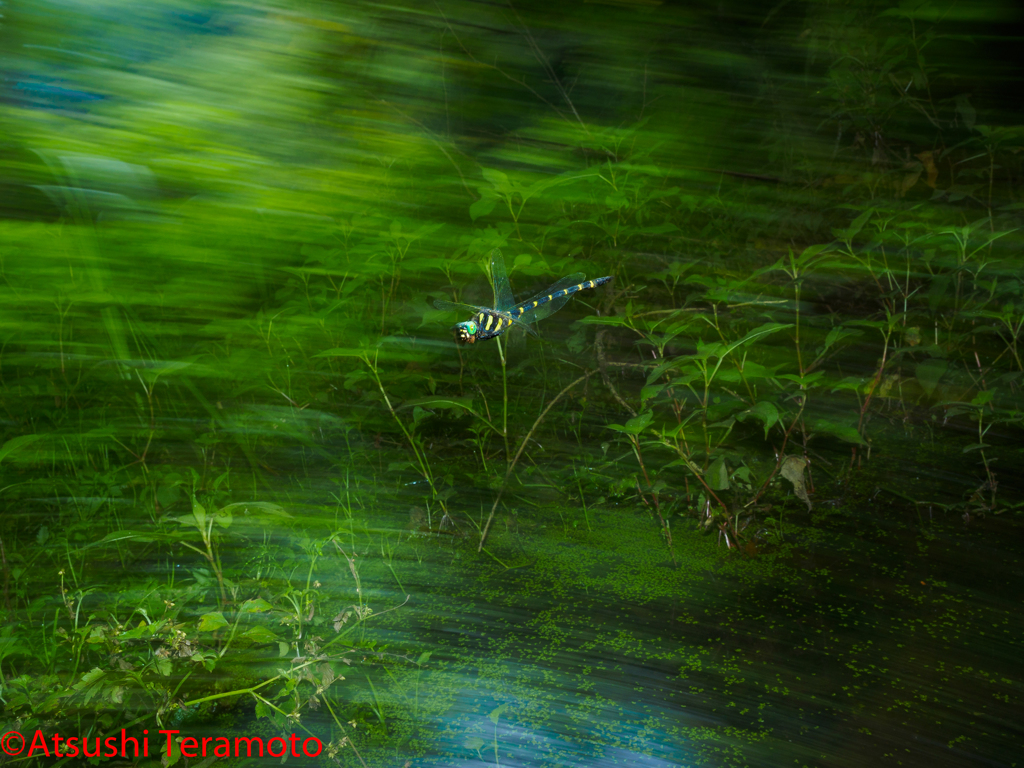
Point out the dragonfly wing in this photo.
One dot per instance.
(517, 323)
(548, 308)
(457, 307)
(503, 299)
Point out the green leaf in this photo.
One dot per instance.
(847, 434)
(857, 224)
(256, 605)
(341, 352)
(91, 677)
(15, 443)
(496, 713)
(807, 380)
(752, 371)
(689, 371)
(199, 511)
(260, 634)
(650, 391)
(838, 333)
(765, 412)
(705, 351)
(718, 475)
(929, 372)
(210, 622)
(144, 630)
(810, 252)
(498, 180)
(639, 423)
(757, 333)
(604, 320)
(983, 397)
(439, 402)
(482, 207)
(171, 753)
(191, 520)
(877, 324)
(975, 447)
(635, 425)
(256, 509)
(197, 518)
(850, 384)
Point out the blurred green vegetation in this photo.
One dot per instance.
(222, 226)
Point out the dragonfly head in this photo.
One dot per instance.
(465, 333)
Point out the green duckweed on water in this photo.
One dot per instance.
(750, 498)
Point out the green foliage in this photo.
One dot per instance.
(215, 291)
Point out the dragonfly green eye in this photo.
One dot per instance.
(466, 332)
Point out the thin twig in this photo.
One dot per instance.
(602, 364)
(522, 83)
(436, 142)
(539, 55)
(522, 447)
(867, 401)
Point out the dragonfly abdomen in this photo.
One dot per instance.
(540, 301)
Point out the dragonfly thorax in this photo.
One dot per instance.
(485, 325)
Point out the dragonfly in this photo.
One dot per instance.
(491, 322)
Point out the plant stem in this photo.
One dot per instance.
(504, 388)
(420, 458)
(781, 453)
(867, 400)
(654, 496)
(522, 447)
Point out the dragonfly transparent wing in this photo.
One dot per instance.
(453, 306)
(503, 298)
(549, 308)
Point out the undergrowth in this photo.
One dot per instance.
(789, 322)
